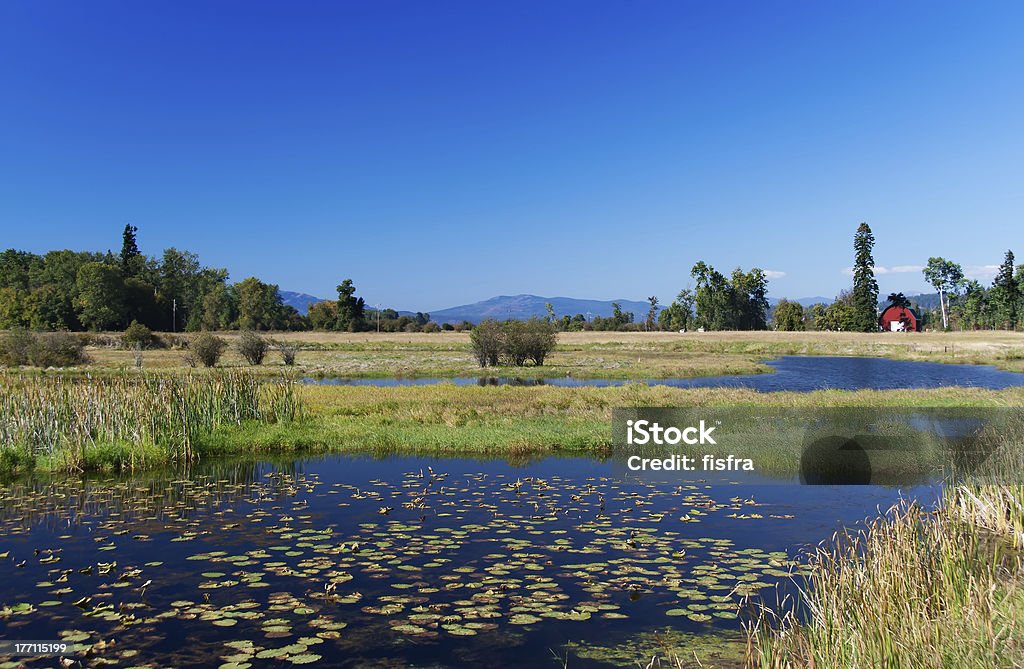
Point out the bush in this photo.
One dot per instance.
(206, 348)
(513, 342)
(540, 340)
(58, 349)
(486, 340)
(431, 327)
(16, 347)
(173, 341)
(137, 335)
(253, 347)
(48, 349)
(287, 352)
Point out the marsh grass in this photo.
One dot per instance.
(914, 588)
(130, 412)
(445, 419)
(129, 421)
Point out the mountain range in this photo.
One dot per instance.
(503, 307)
(301, 301)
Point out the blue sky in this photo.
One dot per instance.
(444, 152)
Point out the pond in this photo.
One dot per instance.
(791, 373)
(401, 561)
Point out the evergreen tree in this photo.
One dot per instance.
(131, 257)
(864, 297)
(1005, 294)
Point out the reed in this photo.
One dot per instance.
(130, 421)
(912, 589)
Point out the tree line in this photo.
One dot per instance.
(964, 304)
(739, 302)
(82, 290)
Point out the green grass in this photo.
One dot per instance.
(445, 419)
(228, 415)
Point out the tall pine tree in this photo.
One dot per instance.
(1005, 294)
(131, 257)
(865, 287)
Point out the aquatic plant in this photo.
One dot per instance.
(129, 418)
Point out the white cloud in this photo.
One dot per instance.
(981, 272)
(773, 274)
(896, 269)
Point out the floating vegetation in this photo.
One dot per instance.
(269, 566)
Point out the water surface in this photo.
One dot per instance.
(791, 373)
(403, 561)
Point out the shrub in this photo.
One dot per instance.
(486, 340)
(16, 347)
(431, 327)
(137, 335)
(287, 352)
(513, 342)
(253, 347)
(57, 349)
(206, 348)
(540, 340)
(173, 341)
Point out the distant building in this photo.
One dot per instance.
(897, 318)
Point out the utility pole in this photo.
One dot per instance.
(174, 315)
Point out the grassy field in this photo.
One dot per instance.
(620, 355)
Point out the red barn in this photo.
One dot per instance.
(898, 319)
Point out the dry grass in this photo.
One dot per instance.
(627, 355)
(915, 588)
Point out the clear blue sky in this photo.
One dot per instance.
(444, 152)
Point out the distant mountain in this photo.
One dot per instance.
(926, 301)
(803, 301)
(522, 307)
(300, 301)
